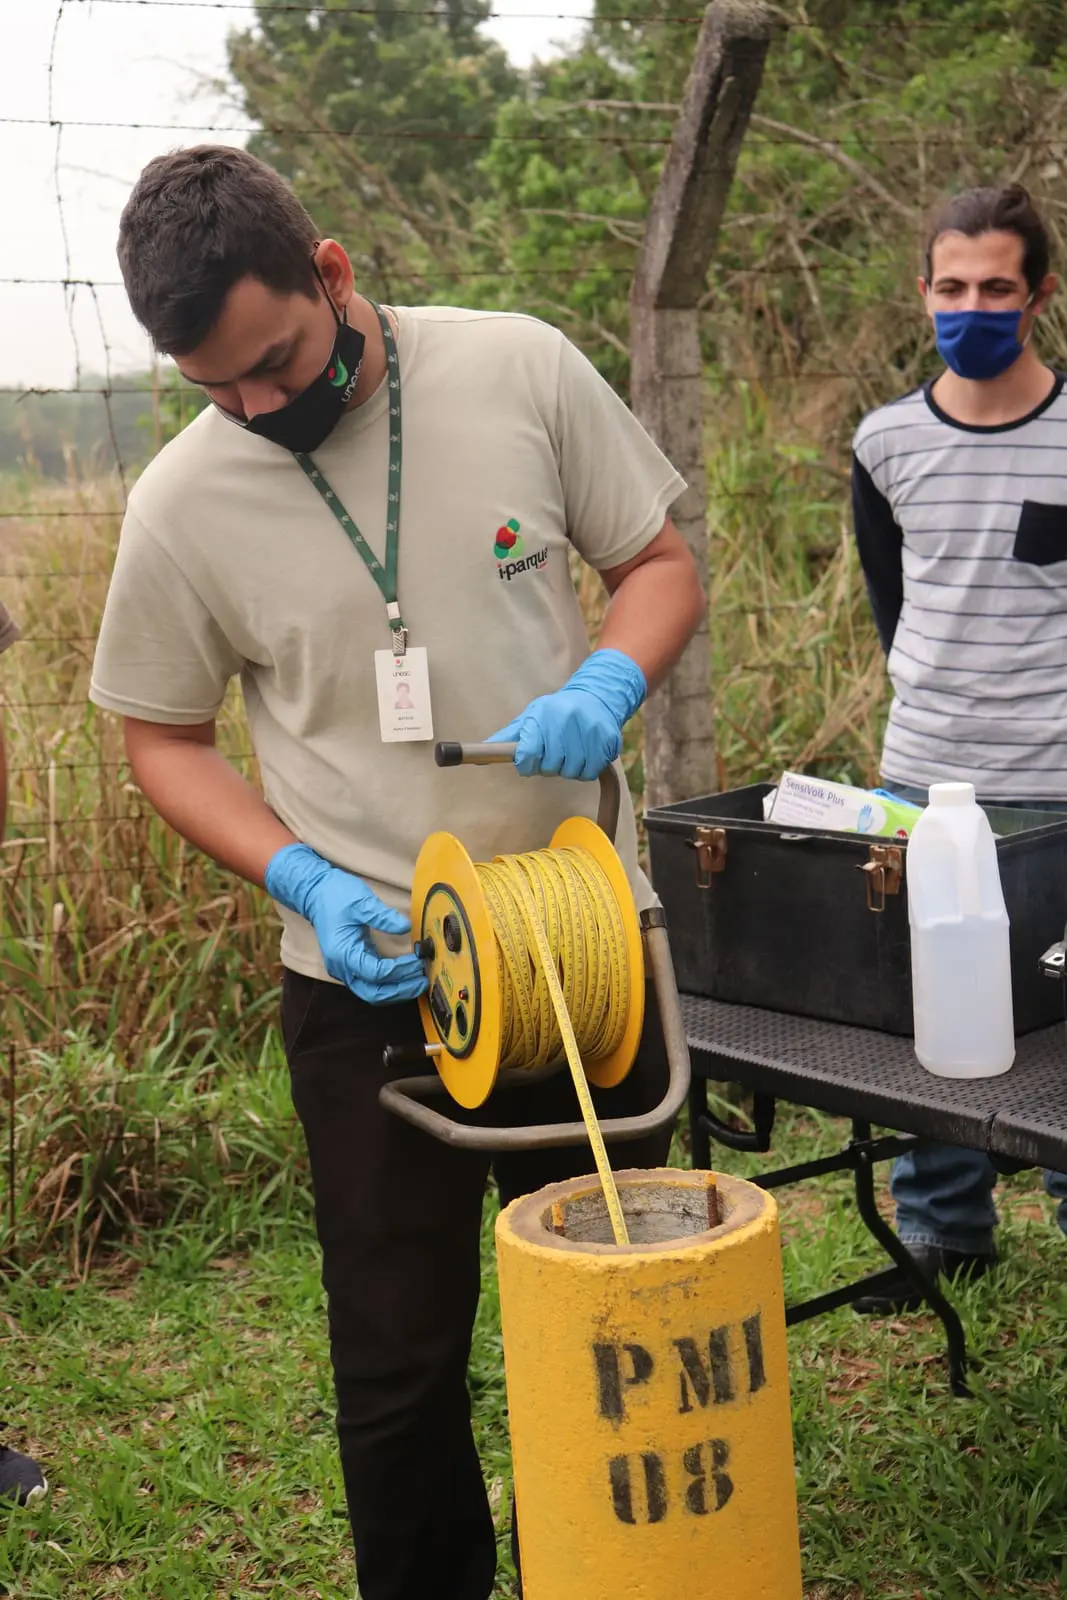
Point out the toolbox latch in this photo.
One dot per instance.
(710, 847)
(1054, 961)
(885, 872)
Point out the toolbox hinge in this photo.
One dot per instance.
(885, 872)
(710, 847)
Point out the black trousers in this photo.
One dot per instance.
(398, 1216)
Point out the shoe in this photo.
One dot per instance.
(21, 1479)
(901, 1294)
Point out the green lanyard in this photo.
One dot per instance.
(384, 577)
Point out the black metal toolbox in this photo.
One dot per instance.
(816, 923)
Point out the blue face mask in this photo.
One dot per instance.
(978, 344)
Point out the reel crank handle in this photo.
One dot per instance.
(405, 1097)
(409, 1055)
(450, 753)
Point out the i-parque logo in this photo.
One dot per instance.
(508, 547)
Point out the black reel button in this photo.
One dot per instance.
(442, 1011)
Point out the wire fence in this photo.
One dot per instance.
(73, 878)
(542, 136)
(994, 17)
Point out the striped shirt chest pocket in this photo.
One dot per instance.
(1041, 534)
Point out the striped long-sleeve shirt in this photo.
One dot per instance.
(962, 534)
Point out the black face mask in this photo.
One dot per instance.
(310, 417)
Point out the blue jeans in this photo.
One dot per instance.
(944, 1194)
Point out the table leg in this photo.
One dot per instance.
(860, 1156)
(700, 1141)
(876, 1224)
(704, 1125)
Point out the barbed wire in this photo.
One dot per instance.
(123, 933)
(104, 572)
(761, 375)
(101, 764)
(76, 874)
(807, 141)
(786, 269)
(383, 136)
(995, 16)
(740, 608)
(70, 293)
(94, 819)
(54, 867)
(431, 13)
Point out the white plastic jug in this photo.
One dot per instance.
(960, 960)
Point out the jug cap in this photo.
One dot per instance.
(952, 794)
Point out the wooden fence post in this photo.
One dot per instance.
(667, 385)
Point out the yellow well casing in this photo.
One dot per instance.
(648, 1399)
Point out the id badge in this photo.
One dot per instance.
(404, 711)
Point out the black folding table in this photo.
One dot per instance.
(1019, 1119)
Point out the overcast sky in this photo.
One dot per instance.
(121, 63)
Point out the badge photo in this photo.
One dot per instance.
(404, 711)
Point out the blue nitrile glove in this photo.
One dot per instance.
(342, 910)
(577, 731)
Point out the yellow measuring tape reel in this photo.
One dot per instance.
(530, 958)
(488, 1003)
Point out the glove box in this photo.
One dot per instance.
(816, 923)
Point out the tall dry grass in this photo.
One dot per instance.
(139, 980)
(800, 679)
(111, 924)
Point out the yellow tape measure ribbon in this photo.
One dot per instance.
(565, 974)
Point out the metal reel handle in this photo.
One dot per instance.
(449, 753)
(405, 1097)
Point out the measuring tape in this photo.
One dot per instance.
(529, 956)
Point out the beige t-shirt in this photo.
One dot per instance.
(229, 563)
(9, 631)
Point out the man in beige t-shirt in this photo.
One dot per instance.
(373, 486)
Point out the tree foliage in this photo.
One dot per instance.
(389, 111)
(453, 177)
(533, 190)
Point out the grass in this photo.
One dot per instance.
(162, 1339)
(125, 951)
(110, 926)
(103, 1155)
(187, 1421)
(181, 1400)
(799, 674)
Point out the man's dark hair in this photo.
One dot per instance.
(991, 210)
(197, 222)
